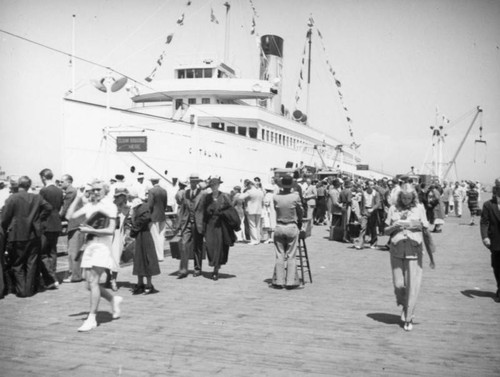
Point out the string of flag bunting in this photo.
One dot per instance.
(168, 40)
(338, 84)
(253, 30)
(298, 92)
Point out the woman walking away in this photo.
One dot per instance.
(120, 197)
(218, 236)
(268, 214)
(473, 202)
(145, 257)
(99, 226)
(286, 235)
(407, 226)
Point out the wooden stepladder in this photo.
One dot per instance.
(303, 259)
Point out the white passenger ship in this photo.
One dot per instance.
(205, 119)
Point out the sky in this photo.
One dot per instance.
(397, 62)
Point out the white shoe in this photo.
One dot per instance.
(408, 326)
(88, 325)
(54, 285)
(117, 300)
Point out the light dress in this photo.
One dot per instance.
(98, 250)
(118, 242)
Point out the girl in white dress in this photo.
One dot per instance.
(99, 227)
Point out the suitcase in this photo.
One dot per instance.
(354, 229)
(175, 248)
(336, 233)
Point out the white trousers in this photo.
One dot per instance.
(157, 230)
(254, 227)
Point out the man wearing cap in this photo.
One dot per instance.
(157, 203)
(52, 227)
(22, 218)
(75, 237)
(140, 186)
(179, 195)
(192, 227)
(490, 231)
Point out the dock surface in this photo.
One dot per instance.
(346, 323)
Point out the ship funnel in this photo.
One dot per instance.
(271, 67)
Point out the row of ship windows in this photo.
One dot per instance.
(199, 73)
(252, 132)
(191, 101)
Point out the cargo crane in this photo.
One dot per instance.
(479, 112)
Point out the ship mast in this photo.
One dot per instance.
(226, 41)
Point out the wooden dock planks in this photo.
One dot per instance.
(345, 323)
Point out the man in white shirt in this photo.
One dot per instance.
(254, 198)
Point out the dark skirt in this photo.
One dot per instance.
(217, 249)
(145, 257)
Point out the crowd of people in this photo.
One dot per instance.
(101, 219)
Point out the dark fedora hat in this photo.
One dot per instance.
(286, 181)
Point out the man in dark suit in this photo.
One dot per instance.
(157, 203)
(191, 227)
(75, 237)
(490, 231)
(52, 228)
(22, 219)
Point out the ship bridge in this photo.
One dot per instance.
(207, 83)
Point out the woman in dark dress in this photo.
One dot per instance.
(145, 257)
(218, 236)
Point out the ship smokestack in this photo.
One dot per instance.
(271, 67)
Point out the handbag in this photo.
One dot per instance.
(231, 218)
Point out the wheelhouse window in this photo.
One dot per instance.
(231, 129)
(192, 101)
(205, 101)
(197, 73)
(218, 126)
(242, 131)
(178, 103)
(252, 132)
